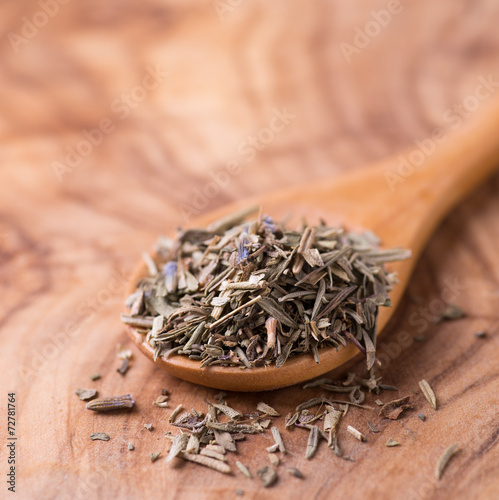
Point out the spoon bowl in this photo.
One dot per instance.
(401, 199)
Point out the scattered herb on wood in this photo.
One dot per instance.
(296, 472)
(112, 403)
(393, 409)
(428, 393)
(268, 475)
(356, 433)
(86, 394)
(450, 313)
(244, 469)
(99, 436)
(445, 458)
(391, 443)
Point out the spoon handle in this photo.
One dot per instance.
(462, 160)
(427, 181)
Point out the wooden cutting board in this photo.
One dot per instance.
(121, 120)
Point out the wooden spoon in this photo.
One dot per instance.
(402, 204)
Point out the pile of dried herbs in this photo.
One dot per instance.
(253, 293)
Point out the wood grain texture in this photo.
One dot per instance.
(67, 244)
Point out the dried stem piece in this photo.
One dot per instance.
(445, 458)
(428, 393)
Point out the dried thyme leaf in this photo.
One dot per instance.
(391, 443)
(231, 427)
(273, 459)
(331, 419)
(393, 409)
(451, 312)
(124, 366)
(179, 443)
(211, 463)
(385, 387)
(356, 433)
(137, 321)
(193, 445)
(313, 442)
(112, 403)
(271, 308)
(296, 473)
(86, 394)
(215, 447)
(244, 469)
(336, 448)
(428, 393)
(370, 349)
(161, 402)
(445, 458)
(154, 456)
(286, 350)
(321, 401)
(267, 410)
(291, 419)
(265, 423)
(174, 414)
(101, 436)
(213, 454)
(231, 220)
(95, 376)
(268, 476)
(228, 411)
(131, 446)
(225, 440)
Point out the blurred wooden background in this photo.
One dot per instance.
(114, 119)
